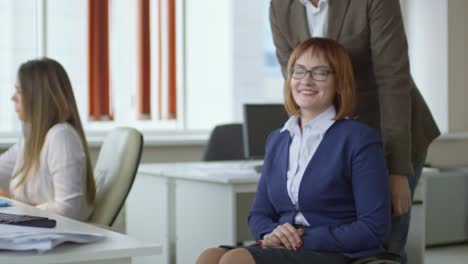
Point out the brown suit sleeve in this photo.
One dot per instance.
(391, 66)
(283, 50)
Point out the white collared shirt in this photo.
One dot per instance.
(317, 17)
(303, 146)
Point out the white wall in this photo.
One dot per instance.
(248, 56)
(224, 57)
(67, 42)
(7, 73)
(438, 39)
(209, 76)
(122, 37)
(18, 32)
(458, 65)
(426, 25)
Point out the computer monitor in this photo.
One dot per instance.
(259, 121)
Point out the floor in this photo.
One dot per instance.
(447, 255)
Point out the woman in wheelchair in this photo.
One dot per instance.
(323, 196)
(49, 167)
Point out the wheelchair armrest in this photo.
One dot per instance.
(384, 258)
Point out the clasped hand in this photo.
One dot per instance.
(283, 236)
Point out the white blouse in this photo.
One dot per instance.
(303, 146)
(59, 183)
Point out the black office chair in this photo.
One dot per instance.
(225, 143)
(384, 258)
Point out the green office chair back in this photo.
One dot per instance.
(114, 173)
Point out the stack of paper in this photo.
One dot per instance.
(40, 239)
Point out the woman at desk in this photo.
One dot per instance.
(323, 196)
(49, 167)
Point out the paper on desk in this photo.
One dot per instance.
(4, 202)
(40, 239)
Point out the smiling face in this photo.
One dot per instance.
(312, 95)
(319, 74)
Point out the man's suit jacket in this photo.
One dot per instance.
(372, 32)
(344, 193)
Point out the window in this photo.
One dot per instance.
(221, 61)
(18, 43)
(273, 77)
(272, 67)
(60, 30)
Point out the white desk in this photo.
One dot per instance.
(193, 206)
(115, 248)
(416, 243)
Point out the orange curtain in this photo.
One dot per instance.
(160, 64)
(143, 59)
(98, 60)
(171, 63)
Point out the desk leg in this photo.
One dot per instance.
(416, 242)
(205, 217)
(150, 216)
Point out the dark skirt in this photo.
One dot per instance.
(300, 256)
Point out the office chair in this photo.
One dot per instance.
(114, 173)
(225, 143)
(384, 258)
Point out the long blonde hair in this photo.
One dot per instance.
(48, 99)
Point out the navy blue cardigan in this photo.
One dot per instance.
(344, 194)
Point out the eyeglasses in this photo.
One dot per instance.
(318, 74)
